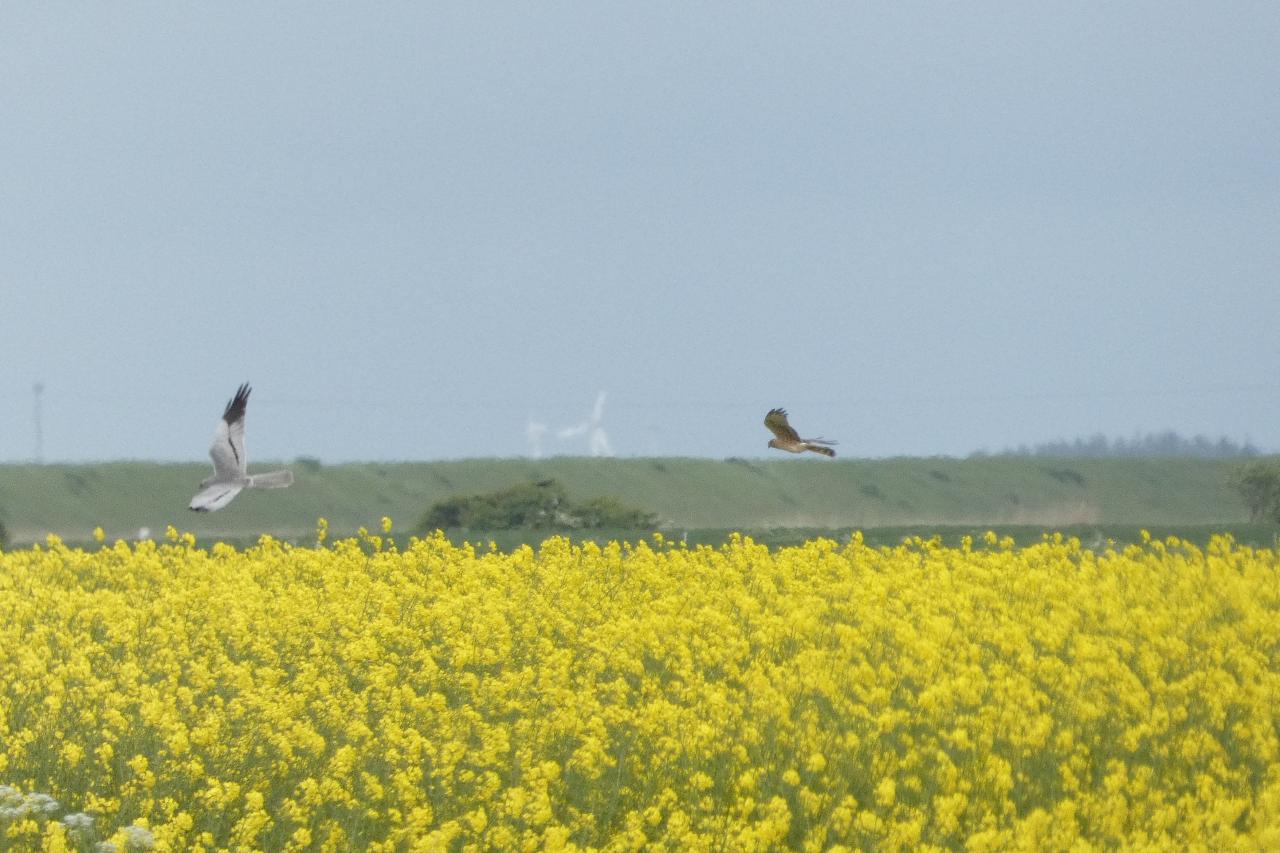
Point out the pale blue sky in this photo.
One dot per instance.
(924, 228)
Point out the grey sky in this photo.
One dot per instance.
(924, 228)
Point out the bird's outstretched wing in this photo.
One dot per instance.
(271, 480)
(227, 450)
(776, 421)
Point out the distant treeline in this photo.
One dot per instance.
(1167, 443)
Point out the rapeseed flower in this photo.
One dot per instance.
(826, 696)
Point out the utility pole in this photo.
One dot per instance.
(38, 389)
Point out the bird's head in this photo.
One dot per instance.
(773, 442)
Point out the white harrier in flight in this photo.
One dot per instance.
(227, 453)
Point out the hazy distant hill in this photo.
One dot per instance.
(1157, 444)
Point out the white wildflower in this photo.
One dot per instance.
(42, 804)
(78, 822)
(138, 838)
(12, 804)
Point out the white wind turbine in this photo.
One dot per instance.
(534, 431)
(597, 441)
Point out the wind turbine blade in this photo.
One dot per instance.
(600, 443)
(573, 431)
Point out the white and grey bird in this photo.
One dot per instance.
(227, 452)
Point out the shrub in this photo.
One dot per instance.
(530, 505)
(540, 505)
(608, 512)
(1258, 484)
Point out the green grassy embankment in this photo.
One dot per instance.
(700, 498)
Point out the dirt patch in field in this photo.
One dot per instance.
(1080, 512)
(1052, 515)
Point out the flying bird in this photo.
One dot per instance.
(227, 453)
(789, 440)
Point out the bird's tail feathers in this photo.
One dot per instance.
(214, 497)
(820, 448)
(271, 480)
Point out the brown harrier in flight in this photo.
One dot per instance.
(789, 440)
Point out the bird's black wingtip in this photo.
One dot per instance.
(236, 405)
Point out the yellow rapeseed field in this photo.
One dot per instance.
(359, 696)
